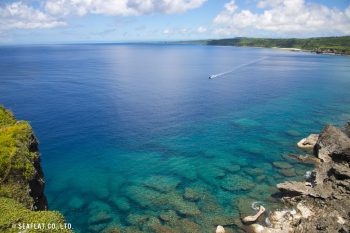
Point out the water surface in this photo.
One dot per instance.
(133, 134)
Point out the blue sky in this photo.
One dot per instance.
(72, 21)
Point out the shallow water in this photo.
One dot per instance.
(137, 135)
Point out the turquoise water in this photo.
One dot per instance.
(138, 137)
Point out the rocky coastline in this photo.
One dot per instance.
(322, 202)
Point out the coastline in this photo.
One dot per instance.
(322, 202)
(23, 203)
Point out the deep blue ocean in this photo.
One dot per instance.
(136, 136)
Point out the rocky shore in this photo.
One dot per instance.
(322, 202)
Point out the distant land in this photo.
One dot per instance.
(327, 45)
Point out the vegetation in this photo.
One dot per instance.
(337, 45)
(14, 216)
(18, 155)
(16, 159)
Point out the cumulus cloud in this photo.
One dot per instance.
(51, 13)
(201, 29)
(18, 15)
(120, 7)
(283, 17)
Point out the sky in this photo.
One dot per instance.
(76, 21)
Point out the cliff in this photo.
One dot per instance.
(22, 198)
(322, 202)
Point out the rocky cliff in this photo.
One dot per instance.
(322, 202)
(22, 198)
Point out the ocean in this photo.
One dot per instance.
(137, 137)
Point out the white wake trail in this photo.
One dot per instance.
(236, 68)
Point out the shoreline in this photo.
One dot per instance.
(322, 202)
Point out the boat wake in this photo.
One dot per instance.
(236, 68)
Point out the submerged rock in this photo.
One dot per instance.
(192, 195)
(245, 122)
(254, 171)
(136, 219)
(169, 216)
(112, 229)
(288, 172)
(121, 203)
(146, 197)
(76, 203)
(282, 165)
(188, 226)
(232, 168)
(293, 133)
(183, 207)
(99, 218)
(162, 184)
(237, 183)
(210, 175)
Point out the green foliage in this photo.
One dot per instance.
(338, 45)
(14, 213)
(18, 156)
(6, 117)
(16, 160)
(18, 191)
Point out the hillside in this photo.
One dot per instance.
(335, 45)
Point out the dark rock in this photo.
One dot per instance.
(37, 184)
(341, 171)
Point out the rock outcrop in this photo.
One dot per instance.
(322, 202)
(309, 142)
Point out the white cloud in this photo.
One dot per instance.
(18, 15)
(284, 17)
(201, 29)
(120, 7)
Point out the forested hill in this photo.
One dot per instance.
(337, 45)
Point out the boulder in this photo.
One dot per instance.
(253, 218)
(309, 142)
(220, 229)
